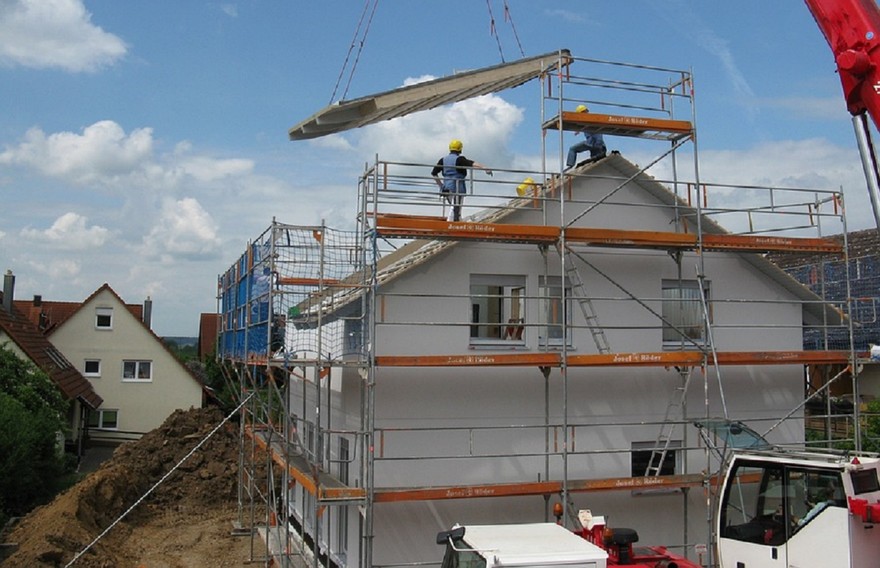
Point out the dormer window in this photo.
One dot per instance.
(104, 318)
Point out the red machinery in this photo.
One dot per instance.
(618, 543)
(851, 28)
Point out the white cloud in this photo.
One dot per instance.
(230, 10)
(805, 164)
(815, 108)
(103, 152)
(55, 34)
(568, 16)
(332, 142)
(183, 231)
(484, 124)
(56, 269)
(69, 232)
(205, 169)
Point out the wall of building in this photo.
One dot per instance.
(142, 404)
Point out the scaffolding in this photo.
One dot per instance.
(307, 314)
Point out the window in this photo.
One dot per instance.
(683, 312)
(550, 292)
(104, 419)
(137, 370)
(104, 318)
(497, 308)
(643, 452)
(92, 368)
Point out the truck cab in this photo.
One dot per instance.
(800, 509)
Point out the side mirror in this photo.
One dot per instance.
(444, 537)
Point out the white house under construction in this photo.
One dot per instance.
(556, 345)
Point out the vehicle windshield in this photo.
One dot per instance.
(731, 434)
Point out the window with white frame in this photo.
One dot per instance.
(104, 419)
(104, 318)
(92, 368)
(550, 292)
(497, 308)
(682, 312)
(137, 370)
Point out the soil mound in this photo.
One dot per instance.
(185, 521)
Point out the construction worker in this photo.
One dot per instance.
(452, 186)
(592, 142)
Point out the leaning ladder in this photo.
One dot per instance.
(579, 293)
(673, 409)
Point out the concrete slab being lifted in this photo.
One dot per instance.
(345, 115)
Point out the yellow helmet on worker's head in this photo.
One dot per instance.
(581, 108)
(455, 146)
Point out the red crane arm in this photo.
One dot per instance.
(852, 28)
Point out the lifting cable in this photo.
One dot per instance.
(360, 44)
(508, 17)
(79, 554)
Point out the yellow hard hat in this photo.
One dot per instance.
(455, 146)
(581, 108)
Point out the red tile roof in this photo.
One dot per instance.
(40, 350)
(47, 315)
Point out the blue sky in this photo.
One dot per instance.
(143, 143)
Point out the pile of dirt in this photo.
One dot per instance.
(184, 521)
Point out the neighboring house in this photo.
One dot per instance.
(469, 398)
(209, 325)
(138, 377)
(20, 335)
(835, 277)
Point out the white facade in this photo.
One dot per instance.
(481, 425)
(140, 380)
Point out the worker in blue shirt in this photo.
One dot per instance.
(592, 142)
(454, 169)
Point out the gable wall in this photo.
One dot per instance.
(142, 406)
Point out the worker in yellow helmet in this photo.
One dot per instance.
(592, 142)
(454, 168)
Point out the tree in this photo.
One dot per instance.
(32, 411)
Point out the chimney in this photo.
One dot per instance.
(8, 290)
(38, 300)
(148, 312)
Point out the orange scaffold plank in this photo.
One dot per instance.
(390, 494)
(325, 487)
(487, 360)
(783, 357)
(641, 359)
(620, 125)
(437, 228)
(635, 239)
(434, 228)
(767, 244)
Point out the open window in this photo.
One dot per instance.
(497, 309)
(553, 318)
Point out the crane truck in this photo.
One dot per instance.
(775, 508)
(851, 28)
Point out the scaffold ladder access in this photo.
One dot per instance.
(674, 409)
(579, 294)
